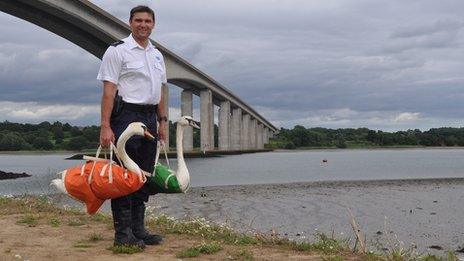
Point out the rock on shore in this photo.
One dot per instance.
(11, 175)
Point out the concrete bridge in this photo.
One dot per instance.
(93, 29)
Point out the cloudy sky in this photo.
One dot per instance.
(381, 64)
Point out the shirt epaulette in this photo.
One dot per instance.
(117, 43)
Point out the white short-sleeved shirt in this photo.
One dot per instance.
(137, 72)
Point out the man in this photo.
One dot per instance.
(134, 69)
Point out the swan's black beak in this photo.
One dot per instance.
(147, 133)
(194, 124)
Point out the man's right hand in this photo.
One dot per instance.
(106, 136)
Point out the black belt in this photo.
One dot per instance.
(140, 107)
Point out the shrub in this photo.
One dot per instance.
(290, 146)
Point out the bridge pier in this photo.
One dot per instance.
(207, 120)
(263, 135)
(236, 129)
(245, 132)
(252, 132)
(224, 126)
(266, 136)
(186, 108)
(259, 136)
(165, 105)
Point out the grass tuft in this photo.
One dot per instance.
(29, 220)
(27, 204)
(449, 257)
(242, 254)
(201, 227)
(328, 245)
(201, 249)
(76, 222)
(95, 237)
(82, 244)
(371, 256)
(98, 217)
(55, 222)
(125, 249)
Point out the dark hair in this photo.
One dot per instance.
(142, 9)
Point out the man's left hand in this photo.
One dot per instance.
(162, 131)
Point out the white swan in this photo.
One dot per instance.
(135, 128)
(182, 174)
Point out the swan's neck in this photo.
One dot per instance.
(182, 174)
(122, 154)
(179, 146)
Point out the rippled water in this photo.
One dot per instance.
(305, 195)
(265, 168)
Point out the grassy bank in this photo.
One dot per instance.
(35, 229)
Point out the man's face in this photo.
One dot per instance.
(141, 25)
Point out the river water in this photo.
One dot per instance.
(413, 196)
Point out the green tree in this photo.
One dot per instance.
(29, 137)
(58, 141)
(44, 125)
(75, 131)
(341, 144)
(451, 140)
(371, 136)
(57, 131)
(13, 141)
(92, 134)
(67, 127)
(77, 143)
(290, 146)
(42, 143)
(172, 134)
(196, 138)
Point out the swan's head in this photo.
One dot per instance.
(188, 121)
(138, 128)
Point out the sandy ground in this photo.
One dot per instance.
(44, 242)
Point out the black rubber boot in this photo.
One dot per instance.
(138, 226)
(123, 235)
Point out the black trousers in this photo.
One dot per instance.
(141, 150)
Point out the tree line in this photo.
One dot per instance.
(62, 136)
(300, 137)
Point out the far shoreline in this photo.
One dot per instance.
(69, 152)
(371, 148)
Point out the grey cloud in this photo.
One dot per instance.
(420, 30)
(54, 72)
(300, 61)
(443, 39)
(192, 50)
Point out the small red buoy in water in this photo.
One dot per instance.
(324, 161)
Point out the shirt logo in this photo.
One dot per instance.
(157, 58)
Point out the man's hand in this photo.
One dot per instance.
(106, 136)
(162, 131)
